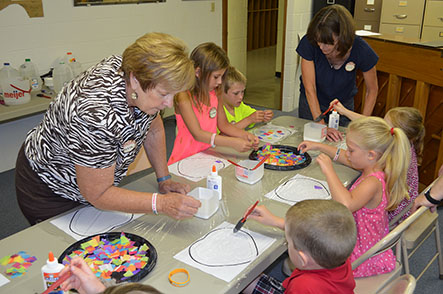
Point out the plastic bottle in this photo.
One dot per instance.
(15, 89)
(29, 71)
(214, 182)
(51, 273)
(62, 75)
(73, 63)
(334, 120)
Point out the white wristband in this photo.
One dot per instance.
(154, 203)
(213, 140)
(337, 154)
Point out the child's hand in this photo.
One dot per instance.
(82, 278)
(268, 115)
(264, 216)
(338, 107)
(325, 163)
(243, 145)
(257, 116)
(254, 140)
(307, 145)
(334, 135)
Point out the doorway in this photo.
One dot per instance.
(264, 79)
(263, 54)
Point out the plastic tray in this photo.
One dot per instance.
(286, 149)
(117, 276)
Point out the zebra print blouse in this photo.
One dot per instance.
(87, 124)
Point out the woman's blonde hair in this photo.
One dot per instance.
(131, 288)
(232, 76)
(207, 58)
(410, 120)
(332, 20)
(159, 58)
(375, 134)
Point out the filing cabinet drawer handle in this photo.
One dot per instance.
(330, 1)
(440, 18)
(401, 16)
(369, 9)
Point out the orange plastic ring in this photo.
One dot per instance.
(179, 284)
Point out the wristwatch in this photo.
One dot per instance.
(430, 199)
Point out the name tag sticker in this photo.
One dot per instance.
(129, 146)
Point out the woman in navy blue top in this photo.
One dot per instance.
(331, 54)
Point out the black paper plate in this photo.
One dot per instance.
(117, 276)
(286, 149)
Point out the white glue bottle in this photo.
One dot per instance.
(214, 182)
(51, 273)
(334, 120)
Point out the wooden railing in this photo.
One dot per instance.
(410, 74)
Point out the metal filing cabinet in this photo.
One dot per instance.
(402, 17)
(433, 21)
(319, 4)
(367, 14)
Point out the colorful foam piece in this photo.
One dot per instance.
(19, 263)
(106, 257)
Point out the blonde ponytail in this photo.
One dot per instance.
(393, 145)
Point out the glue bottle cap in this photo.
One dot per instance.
(51, 256)
(214, 170)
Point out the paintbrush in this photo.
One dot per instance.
(243, 220)
(323, 115)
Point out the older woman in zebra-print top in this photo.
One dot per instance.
(94, 129)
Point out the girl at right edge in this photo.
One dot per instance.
(199, 112)
(382, 154)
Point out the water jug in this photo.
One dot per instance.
(73, 63)
(15, 89)
(62, 75)
(28, 71)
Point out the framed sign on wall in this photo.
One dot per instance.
(107, 2)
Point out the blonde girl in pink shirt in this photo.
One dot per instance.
(382, 154)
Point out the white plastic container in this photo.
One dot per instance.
(28, 71)
(51, 273)
(334, 120)
(209, 201)
(214, 182)
(246, 174)
(73, 63)
(62, 75)
(314, 132)
(15, 90)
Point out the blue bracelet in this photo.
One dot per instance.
(159, 180)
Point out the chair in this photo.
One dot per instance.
(402, 285)
(417, 233)
(375, 284)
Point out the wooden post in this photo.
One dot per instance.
(421, 96)
(394, 87)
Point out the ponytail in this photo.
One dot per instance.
(394, 147)
(410, 120)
